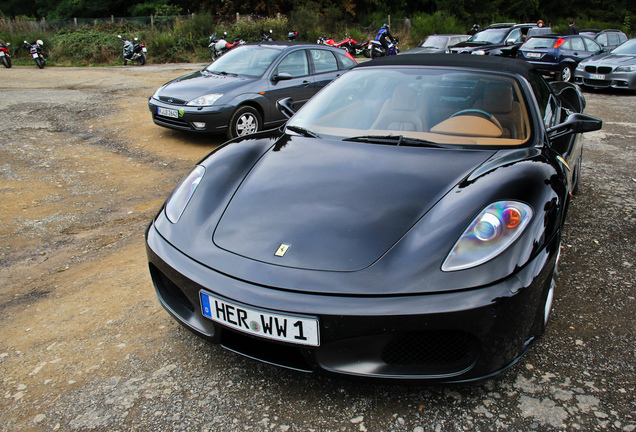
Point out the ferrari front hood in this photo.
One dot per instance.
(338, 206)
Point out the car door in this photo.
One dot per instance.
(324, 67)
(290, 78)
(579, 50)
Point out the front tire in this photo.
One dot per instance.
(6, 61)
(566, 73)
(245, 120)
(142, 59)
(39, 62)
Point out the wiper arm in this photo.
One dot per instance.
(303, 131)
(395, 139)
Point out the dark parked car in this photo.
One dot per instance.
(616, 69)
(499, 39)
(608, 39)
(558, 56)
(237, 93)
(437, 44)
(406, 223)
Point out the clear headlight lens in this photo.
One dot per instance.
(489, 234)
(580, 67)
(625, 69)
(205, 100)
(181, 196)
(479, 52)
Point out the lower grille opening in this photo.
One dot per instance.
(434, 348)
(264, 350)
(170, 292)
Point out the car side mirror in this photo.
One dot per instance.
(575, 123)
(511, 41)
(283, 76)
(286, 107)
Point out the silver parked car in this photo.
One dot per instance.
(616, 69)
(437, 44)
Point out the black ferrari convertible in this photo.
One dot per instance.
(405, 223)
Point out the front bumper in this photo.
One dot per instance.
(216, 118)
(617, 80)
(450, 337)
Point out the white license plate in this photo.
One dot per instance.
(168, 112)
(597, 77)
(1, 53)
(34, 55)
(144, 49)
(533, 55)
(295, 329)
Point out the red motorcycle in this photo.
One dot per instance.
(348, 43)
(4, 54)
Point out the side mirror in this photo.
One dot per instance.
(119, 36)
(286, 107)
(511, 41)
(283, 76)
(136, 39)
(575, 123)
(25, 42)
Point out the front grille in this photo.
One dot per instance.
(604, 69)
(432, 348)
(173, 101)
(170, 292)
(590, 69)
(597, 83)
(173, 121)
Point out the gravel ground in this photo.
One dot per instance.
(84, 344)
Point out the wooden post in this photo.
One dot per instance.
(75, 21)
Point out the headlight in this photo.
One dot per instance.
(479, 52)
(580, 67)
(205, 100)
(489, 234)
(625, 69)
(181, 196)
(156, 93)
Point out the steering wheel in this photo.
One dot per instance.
(479, 113)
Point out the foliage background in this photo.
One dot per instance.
(82, 32)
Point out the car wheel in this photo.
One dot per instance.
(544, 312)
(566, 73)
(245, 120)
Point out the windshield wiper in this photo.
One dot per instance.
(397, 140)
(302, 131)
(222, 73)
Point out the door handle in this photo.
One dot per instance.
(306, 83)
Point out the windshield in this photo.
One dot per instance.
(627, 48)
(490, 35)
(436, 105)
(537, 43)
(246, 60)
(435, 42)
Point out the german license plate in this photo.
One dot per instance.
(597, 77)
(1, 53)
(168, 112)
(34, 55)
(533, 55)
(144, 49)
(295, 329)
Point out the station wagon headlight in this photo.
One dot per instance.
(205, 100)
(488, 235)
(180, 198)
(625, 69)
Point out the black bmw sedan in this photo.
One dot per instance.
(405, 223)
(237, 93)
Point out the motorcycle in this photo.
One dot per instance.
(4, 54)
(134, 51)
(375, 49)
(35, 48)
(218, 47)
(348, 43)
(292, 35)
(266, 37)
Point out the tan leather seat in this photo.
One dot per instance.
(499, 101)
(402, 112)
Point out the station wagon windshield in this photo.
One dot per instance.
(490, 35)
(432, 105)
(249, 61)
